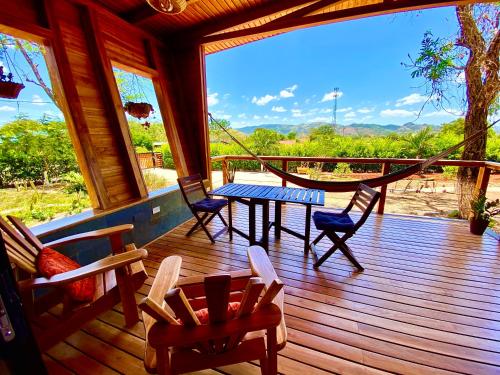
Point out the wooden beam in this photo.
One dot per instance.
(113, 104)
(330, 17)
(218, 25)
(77, 125)
(306, 10)
(139, 14)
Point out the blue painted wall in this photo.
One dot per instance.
(147, 227)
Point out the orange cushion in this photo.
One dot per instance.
(51, 262)
(202, 314)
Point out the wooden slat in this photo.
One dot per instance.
(434, 308)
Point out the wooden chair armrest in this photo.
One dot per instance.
(101, 266)
(162, 334)
(92, 235)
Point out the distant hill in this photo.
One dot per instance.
(353, 129)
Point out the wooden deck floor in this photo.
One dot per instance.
(428, 302)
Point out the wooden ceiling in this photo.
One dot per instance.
(223, 24)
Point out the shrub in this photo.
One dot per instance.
(74, 183)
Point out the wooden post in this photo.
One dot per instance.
(224, 172)
(284, 166)
(386, 169)
(482, 180)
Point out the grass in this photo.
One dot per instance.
(40, 204)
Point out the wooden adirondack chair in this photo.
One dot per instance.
(177, 342)
(117, 278)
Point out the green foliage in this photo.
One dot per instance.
(30, 150)
(484, 209)
(142, 137)
(74, 183)
(342, 169)
(265, 141)
(291, 135)
(155, 181)
(450, 172)
(322, 132)
(419, 144)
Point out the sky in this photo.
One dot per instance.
(290, 79)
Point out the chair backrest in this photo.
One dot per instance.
(365, 198)
(170, 299)
(21, 249)
(192, 188)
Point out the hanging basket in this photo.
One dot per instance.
(138, 110)
(10, 90)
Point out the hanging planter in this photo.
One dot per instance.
(9, 89)
(138, 110)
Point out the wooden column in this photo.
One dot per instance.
(483, 180)
(184, 65)
(284, 166)
(96, 124)
(386, 169)
(225, 180)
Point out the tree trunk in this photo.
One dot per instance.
(476, 119)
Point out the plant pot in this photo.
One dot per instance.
(478, 226)
(138, 110)
(10, 90)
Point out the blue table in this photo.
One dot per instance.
(253, 195)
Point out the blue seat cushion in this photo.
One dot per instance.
(338, 222)
(209, 205)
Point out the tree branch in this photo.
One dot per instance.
(34, 69)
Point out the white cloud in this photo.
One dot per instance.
(297, 113)
(296, 104)
(460, 79)
(319, 119)
(278, 109)
(411, 99)
(366, 118)
(212, 99)
(256, 117)
(365, 110)
(346, 109)
(326, 110)
(37, 100)
(263, 100)
(242, 115)
(350, 115)
(288, 92)
(57, 114)
(5, 68)
(329, 96)
(397, 113)
(7, 108)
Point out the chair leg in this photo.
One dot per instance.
(199, 221)
(202, 225)
(230, 216)
(349, 255)
(222, 219)
(325, 256)
(272, 353)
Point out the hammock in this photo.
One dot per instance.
(344, 186)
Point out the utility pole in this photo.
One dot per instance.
(334, 115)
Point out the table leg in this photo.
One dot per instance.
(251, 222)
(265, 225)
(230, 217)
(277, 220)
(307, 233)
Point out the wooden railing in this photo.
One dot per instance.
(485, 167)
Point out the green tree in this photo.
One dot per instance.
(473, 53)
(419, 144)
(291, 135)
(35, 150)
(265, 141)
(142, 137)
(322, 132)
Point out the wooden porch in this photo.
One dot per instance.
(427, 303)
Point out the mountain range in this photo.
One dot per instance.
(352, 129)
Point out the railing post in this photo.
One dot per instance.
(483, 180)
(224, 171)
(386, 169)
(284, 166)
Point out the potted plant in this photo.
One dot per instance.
(138, 110)
(482, 212)
(9, 89)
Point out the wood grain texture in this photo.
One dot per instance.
(433, 309)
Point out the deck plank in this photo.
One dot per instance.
(427, 302)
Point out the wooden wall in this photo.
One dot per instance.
(84, 43)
